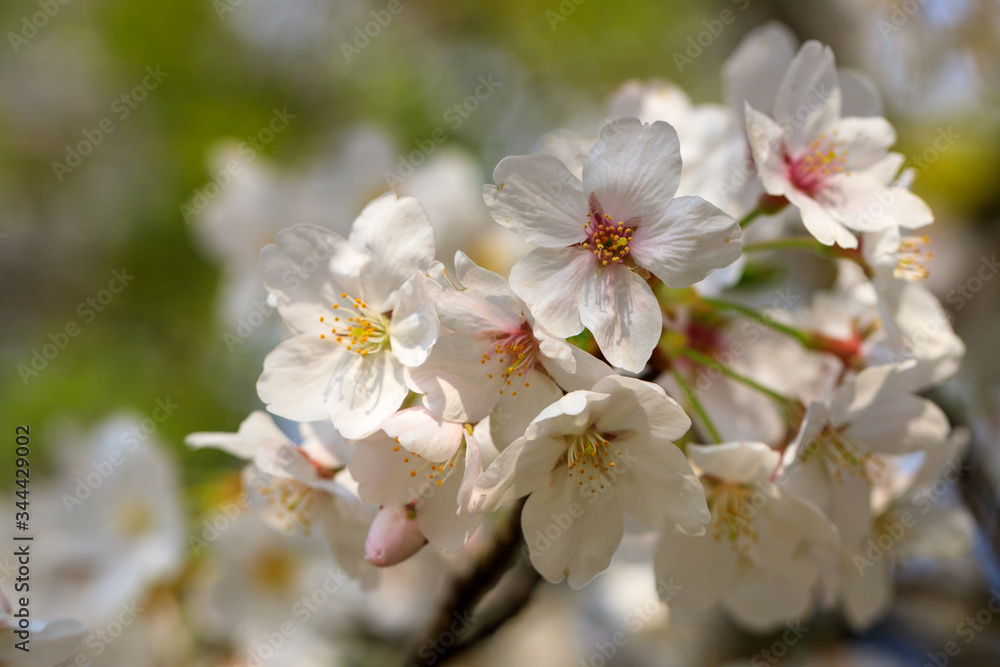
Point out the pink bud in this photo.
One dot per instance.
(393, 537)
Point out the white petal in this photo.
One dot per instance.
(297, 376)
(753, 72)
(820, 222)
(414, 325)
(900, 423)
(859, 94)
(620, 310)
(398, 237)
(51, 643)
(867, 594)
(423, 433)
(808, 89)
(866, 140)
(589, 369)
(538, 199)
(689, 240)
(455, 380)
(484, 301)
(763, 606)
(364, 391)
(702, 569)
(256, 430)
(657, 486)
(633, 170)
(640, 407)
(517, 471)
(737, 462)
(512, 414)
(550, 282)
(570, 535)
(766, 139)
(307, 270)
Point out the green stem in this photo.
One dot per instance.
(751, 216)
(696, 404)
(708, 362)
(803, 337)
(812, 245)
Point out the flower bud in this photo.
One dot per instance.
(393, 537)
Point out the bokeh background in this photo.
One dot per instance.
(117, 121)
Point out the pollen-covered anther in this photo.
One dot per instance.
(608, 240)
(294, 502)
(364, 332)
(911, 253)
(590, 454)
(841, 454)
(823, 159)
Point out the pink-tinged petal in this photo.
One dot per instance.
(901, 423)
(868, 205)
(297, 376)
(538, 199)
(639, 407)
(620, 310)
(691, 239)
(307, 270)
(865, 140)
(399, 238)
(517, 471)
(456, 382)
(423, 433)
(753, 72)
(766, 139)
(570, 534)
(820, 223)
(683, 561)
(655, 484)
(808, 100)
(364, 391)
(393, 537)
(634, 169)
(481, 302)
(414, 326)
(736, 462)
(550, 281)
(513, 413)
(389, 474)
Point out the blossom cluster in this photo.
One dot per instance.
(634, 372)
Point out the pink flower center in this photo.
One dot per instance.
(823, 159)
(516, 354)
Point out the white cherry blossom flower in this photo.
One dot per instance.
(602, 236)
(496, 361)
(912, 519)
(837, 171)
(303, 486)
(360, 309)
(428, 465)
(762, 560)
(839, 450)
(586, 460)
